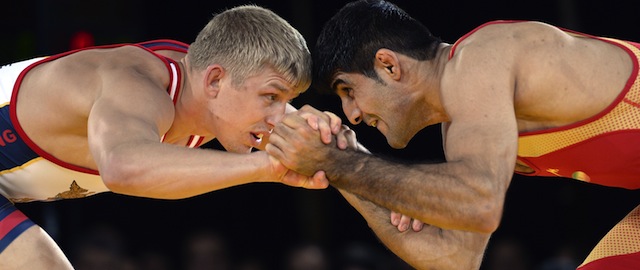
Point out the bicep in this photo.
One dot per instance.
(489, 147)
(482, 130)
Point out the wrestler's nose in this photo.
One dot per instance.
(352, 111)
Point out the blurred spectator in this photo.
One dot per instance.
(206, 250)
(507, 254)
(251, 264)
(306, 256)
(152, 259)
(564, 259)
(360, 256)
(101, 247)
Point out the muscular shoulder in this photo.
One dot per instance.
(489, 61)
(513, 39)
(123, 61)
(117, 74)
(504, 51)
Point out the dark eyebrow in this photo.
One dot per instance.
(337, 82)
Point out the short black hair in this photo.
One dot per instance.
(349, 40)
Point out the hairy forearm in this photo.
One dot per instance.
(172, 172)
(439, 194)
(430, 248)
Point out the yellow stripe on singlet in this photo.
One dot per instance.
(17, 168)
(622, 239)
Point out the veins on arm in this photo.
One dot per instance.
(433, 193)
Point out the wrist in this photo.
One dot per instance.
(264, 169)
(335, 163)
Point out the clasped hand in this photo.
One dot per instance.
(303, 142)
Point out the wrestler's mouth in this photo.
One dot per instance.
(257, 137)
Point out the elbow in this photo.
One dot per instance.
(488, 218)
(455, 249)
(488, 206)
(488, 225)
(124, 176)
(118, 175)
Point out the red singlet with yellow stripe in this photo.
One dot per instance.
(601, 149)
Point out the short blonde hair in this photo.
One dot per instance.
(247, 39)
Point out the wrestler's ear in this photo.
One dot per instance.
(212, 77)
(388, 61)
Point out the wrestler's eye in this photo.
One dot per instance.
(270, 97)
(347, 91)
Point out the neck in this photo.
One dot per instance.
(429, 82)
(184, 122)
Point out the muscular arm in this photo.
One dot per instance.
(124, 127)
(124, 138)
(466, 192)
(430, 248)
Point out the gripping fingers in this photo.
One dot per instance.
(321, 125)
(405, 221)
(334, 121)
(325, 132)
(274, 151)
(296, 120)
(319, 180)
(312, 120)
(296, 129)
(316, 181)
(417, 225)
(285, 129)
(329, 125)
(275, 146)
(326, 122)
(395, 218)
(346, 138)
(401, 221)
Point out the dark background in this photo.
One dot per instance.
(262, 220)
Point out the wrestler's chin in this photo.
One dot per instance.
(238, 148)
(397, 144)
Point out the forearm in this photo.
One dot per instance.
(463, 195)
(172, 172)
(430, 248)
(437, 194)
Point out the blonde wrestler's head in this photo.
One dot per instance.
(251, 63)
